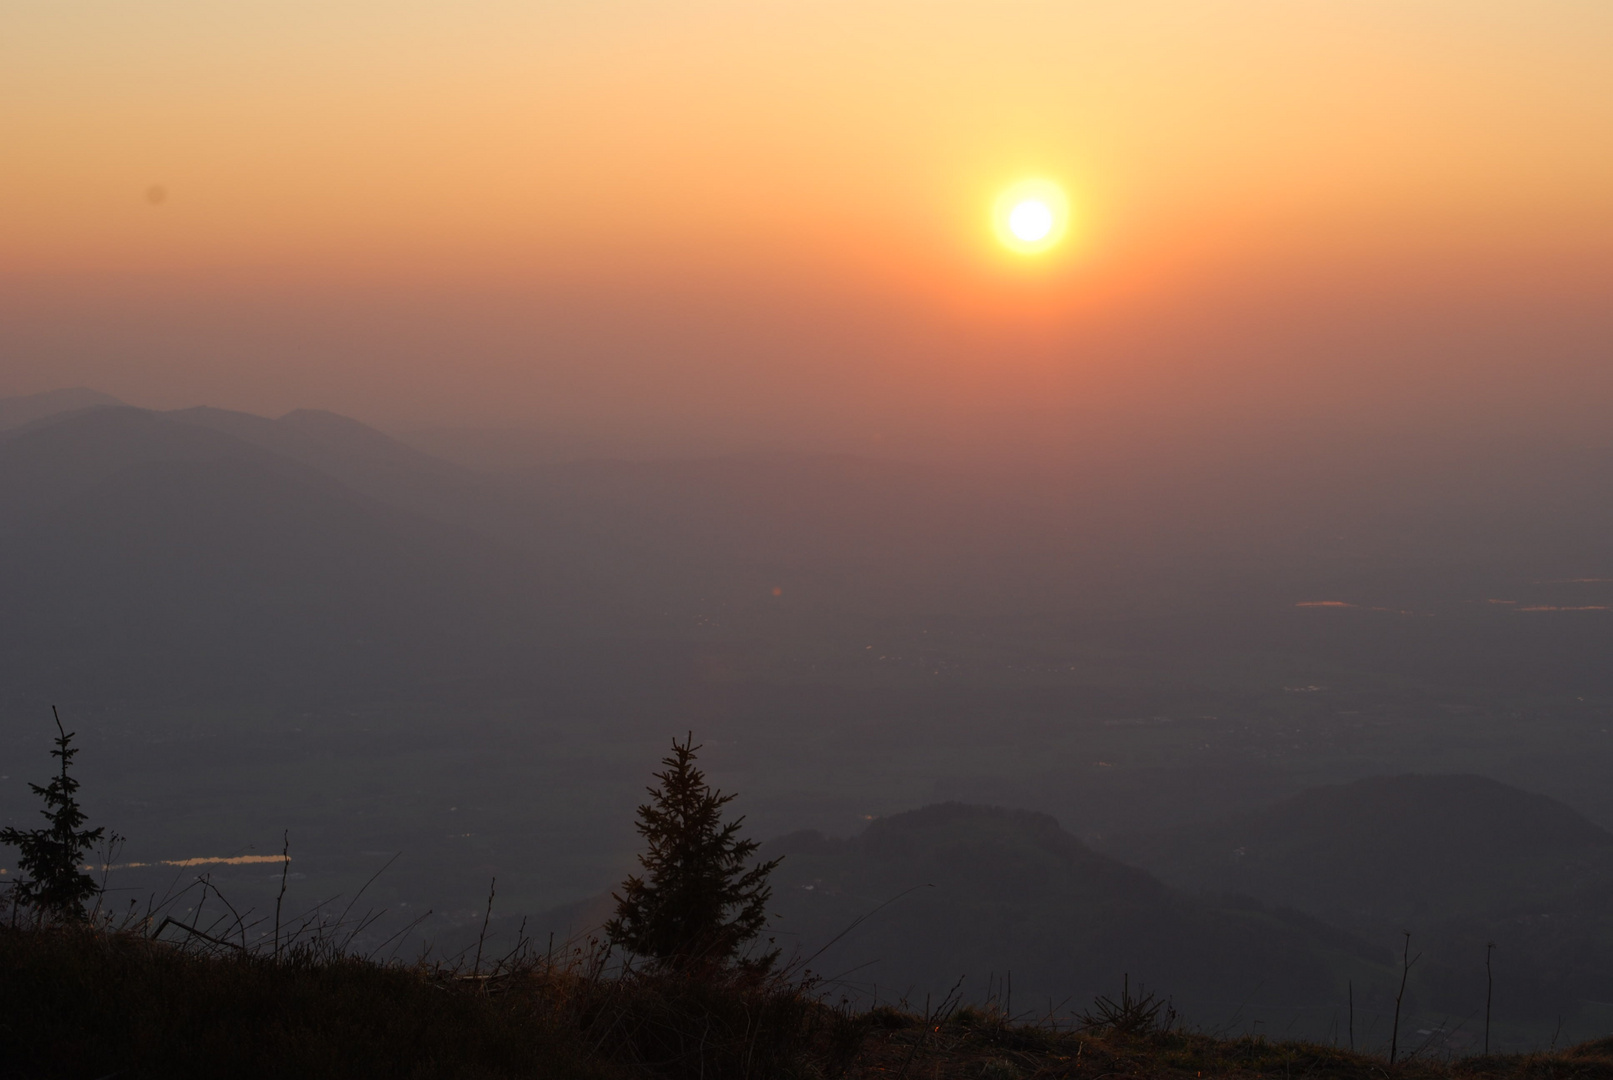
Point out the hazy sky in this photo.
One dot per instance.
(723, 221)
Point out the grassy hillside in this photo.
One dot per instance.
(79, 1003)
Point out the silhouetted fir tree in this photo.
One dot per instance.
(53, 858)
(697, 904)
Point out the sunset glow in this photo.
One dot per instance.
(731, 225)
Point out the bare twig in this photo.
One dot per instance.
(399, 936)
(114, 844)
(285, 871)
(1489, 989)
(342, 918)
(858, 921)
(169, 919)
(492, 888)
(207, 883)
(1406, 961)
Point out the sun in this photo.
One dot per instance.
(1030, 221)
(1031, 216)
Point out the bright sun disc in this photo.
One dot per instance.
(1031, 216)
(1031, 220)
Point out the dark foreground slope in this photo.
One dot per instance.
(80, 1004)
(81, 1001)
(983, 894)
(76, 1005)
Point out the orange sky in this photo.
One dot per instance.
(730, 222)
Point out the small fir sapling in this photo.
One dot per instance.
(698, 903)
(52, 858)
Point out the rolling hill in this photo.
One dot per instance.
(1459, 861)
(922, 899)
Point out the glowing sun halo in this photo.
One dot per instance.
(1031, 216)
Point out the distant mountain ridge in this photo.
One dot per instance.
(1374, 851)
(361, 457)
(165, 556)
(17, 411)
(108, 507)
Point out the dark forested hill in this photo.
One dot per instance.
(982, 892)
(1457, 860)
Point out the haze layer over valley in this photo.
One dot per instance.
(303, 625)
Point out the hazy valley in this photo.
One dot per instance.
(305, 626)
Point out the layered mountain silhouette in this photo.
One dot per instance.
(358, 456)
(211, 554)
(19, 411)
(170, 558)
(205, 553)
